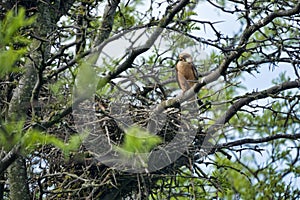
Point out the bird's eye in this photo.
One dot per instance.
(181, 59)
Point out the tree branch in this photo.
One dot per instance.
(253, 28)
(235, 107)
(137, 51)
(133, 54)
(8, 159)
(255, 141)
(108, 21)
(234, 54)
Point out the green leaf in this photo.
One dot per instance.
(12, 43)
(137, 144)
(34, 139)
(86, 79)
(138, 140)
(11, 134)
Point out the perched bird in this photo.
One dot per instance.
(186, 73)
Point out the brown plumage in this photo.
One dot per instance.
(186, 73)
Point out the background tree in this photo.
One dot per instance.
(244, 142)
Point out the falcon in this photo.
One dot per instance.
(186, 73)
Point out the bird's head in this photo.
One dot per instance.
(185, 57)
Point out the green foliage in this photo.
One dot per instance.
(277, 158)
(12, 43)
(281, 78)
(236, 180)
(127, 16)
(12, 135)
(34, 139)
(86, 79)
(232, 178)
(272, 119)
(222, 3)
(187, 185)
(137, 143)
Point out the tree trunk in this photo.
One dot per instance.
(26, 94)
(2, 184)
(18, 185)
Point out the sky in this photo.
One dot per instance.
(257, 81)
(229, 26)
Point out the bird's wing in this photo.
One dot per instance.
(196, 75)
(181, 80)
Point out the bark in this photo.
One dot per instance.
(2, 178)
(257, 141)
(25, 95)
(8, 159)
(19, 105)
(18, 184)
(108, 21)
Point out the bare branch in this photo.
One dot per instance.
(253, 28)
(137, 51)
(227, 61)
(108, 21)
(8, 159)
(256, 141)
(247, 99)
